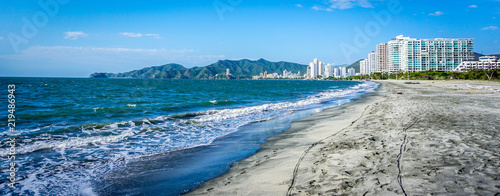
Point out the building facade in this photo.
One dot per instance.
(372, 62)
(485, 62)
(394, 52)
(381, 58)
(436, 54)
(351, 72)
(364, 68)
(328, 71)
(336, 72)
(409, 54)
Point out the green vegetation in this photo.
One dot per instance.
(355, 65)
(241, 69)
(433, 75)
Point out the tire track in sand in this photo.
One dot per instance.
(402, 149)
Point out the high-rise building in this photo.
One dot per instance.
(382, 58)
(314, 68)
(321, 67)
(317, 68)
(328, 71)
(228, 72)
(435, 54)
(409, 54)
(364, 67)
(336, 72)
(314, 71)
(343, 72)
(394, 52)
(351, 72)
(372, 61)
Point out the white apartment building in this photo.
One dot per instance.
(321, 67)
(343, 72)
(351, 72)
(328, 71)
(316, 68)
(364, 68)
(336, 72)
(436, 54)
(312, 69)
(485, 62)
(394, 52)
(372, 61)
(440, 54)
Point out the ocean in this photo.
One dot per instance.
(91, 136)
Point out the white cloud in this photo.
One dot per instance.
(490, 28)
(74, 35)
(298, 5)
(153, 35)
(472, 6)
(318, 8)
(95, 59)
(438, 13)
(347, 4)
(128, 34)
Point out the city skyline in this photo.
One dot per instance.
(76, 38)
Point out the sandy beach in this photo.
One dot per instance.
(432, 138)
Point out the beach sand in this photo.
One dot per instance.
(432, 138)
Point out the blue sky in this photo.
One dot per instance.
(73, 38)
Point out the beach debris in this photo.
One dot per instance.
(399, 93)
(374, 138)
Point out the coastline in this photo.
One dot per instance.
(281, 152)
(436, 137)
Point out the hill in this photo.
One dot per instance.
(240, 69)
(355, 65)
(477, 55)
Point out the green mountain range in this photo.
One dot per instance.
(239, 69)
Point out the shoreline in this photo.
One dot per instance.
(435, 137)
(283, 150)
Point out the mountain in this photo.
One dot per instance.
(355, 65)
(477, 55)
(240, 69)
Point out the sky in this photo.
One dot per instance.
(74, 38)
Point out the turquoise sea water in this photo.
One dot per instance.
(147, 137)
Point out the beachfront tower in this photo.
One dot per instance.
(382, 58)
(328, 71)
(439, 54)
(336, 72)
(364, 68)
(372, 61)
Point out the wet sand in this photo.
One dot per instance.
(432, 138)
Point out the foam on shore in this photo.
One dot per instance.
(436, 137)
